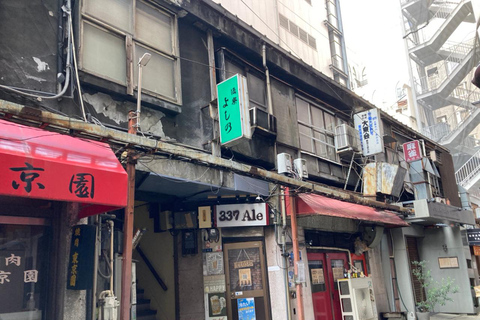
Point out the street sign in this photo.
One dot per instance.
(233, 114)
(370, 130)
(412, 151)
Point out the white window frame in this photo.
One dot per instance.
(325, 131)
(130, 43)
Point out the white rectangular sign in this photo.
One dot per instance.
(241, 215)
(370, 130)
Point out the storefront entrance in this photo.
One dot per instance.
(246, 281)
(325, 270)
(24, 259)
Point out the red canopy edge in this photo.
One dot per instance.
(314, 204)
(39, 164)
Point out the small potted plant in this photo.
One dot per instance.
(437, 292)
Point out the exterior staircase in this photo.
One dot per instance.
(144, 312)
(468, 176)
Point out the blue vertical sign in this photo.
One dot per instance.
(246, 309)
(370, 130)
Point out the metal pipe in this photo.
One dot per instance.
(128, 225)
(267, 76)
(296, 259)
(284, 250)
(336, 249)
(110, 222)
(162, 147)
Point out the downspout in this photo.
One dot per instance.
(267, 76)
(284, 252)
(216, 151)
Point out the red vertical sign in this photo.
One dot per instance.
(412, 151)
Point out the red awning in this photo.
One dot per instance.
(313, 204)
(40, 164)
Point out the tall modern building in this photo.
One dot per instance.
(310, 30)
(442, 45)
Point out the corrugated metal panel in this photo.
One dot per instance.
(370, 180)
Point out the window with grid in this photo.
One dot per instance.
(317, 130)
(332, 13)
(336, 50)
(116, 33)
(255, 81)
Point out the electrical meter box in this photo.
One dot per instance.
(357, 299)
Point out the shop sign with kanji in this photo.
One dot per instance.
(370, 130)
(412, 151)
(82, 254)
(233, 113)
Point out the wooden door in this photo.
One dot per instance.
(337, 263)
(246, 281)
(321, 295)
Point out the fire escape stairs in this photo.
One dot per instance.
(452, 21)
(436, 97)
(468, 176)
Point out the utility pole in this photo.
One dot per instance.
(128, 225)
(133, 124)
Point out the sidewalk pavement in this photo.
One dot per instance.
(451, 316)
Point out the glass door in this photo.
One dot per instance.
(246, 281)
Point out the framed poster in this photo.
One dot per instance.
(448, 263)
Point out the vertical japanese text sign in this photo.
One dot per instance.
(370, 130)
(412, 151)
(233, 113)
(82, 254)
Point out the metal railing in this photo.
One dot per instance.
(419, 36)
(469, 171)
(447, 67)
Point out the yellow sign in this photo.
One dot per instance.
(245, 277)
(243, 264)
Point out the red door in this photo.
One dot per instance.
(322, 303)
(325, 270)
(336, 266)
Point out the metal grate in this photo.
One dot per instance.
(293, 28)
(303, 35)
(283, 21)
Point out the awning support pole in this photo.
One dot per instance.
(128, 225)
(296, 258)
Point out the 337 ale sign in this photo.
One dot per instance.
(241, 215)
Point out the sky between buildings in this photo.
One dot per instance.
(374, 40)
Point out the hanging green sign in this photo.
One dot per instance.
(233, 114)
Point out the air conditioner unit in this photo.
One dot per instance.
(346, 139)
(263, 122)
(300, 167)
(284, 163)
(435, 156)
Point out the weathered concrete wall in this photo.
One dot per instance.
(277, 278)
(431, 248)
(28, 49)
(190, 284)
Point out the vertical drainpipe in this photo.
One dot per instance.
(213, 93)
(60, 35)
(284, 254)
(267, 76)
(296, 258)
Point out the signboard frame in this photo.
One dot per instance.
(241, 215)
(233, 110)
(370, 130)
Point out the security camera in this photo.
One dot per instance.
(258, 198)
